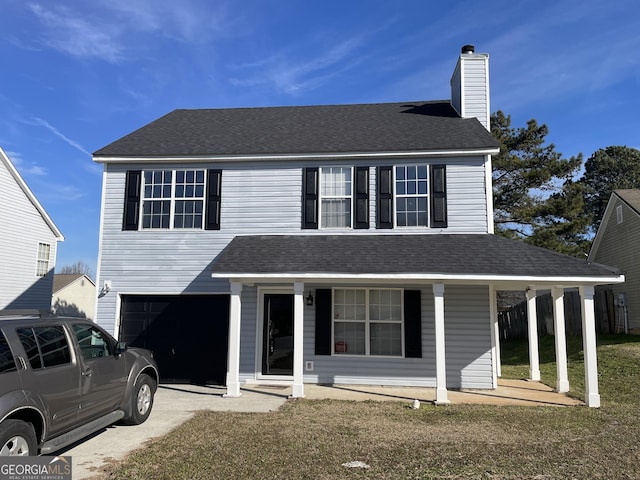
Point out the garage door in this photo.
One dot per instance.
(187, 334)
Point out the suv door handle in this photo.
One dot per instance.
(87, 373)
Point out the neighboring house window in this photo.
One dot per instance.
(411, 196)
(333, 197)
(619, 213)
(367, 322)
(172, 199)
(44, 254)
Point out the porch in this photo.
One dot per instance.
(509, 392)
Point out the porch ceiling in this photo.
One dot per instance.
(444, 258)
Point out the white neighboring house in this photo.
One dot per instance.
(74, 295)
(28, 244)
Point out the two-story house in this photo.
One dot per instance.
(342, 244)
(28, 244)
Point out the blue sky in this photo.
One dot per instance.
(77, 74)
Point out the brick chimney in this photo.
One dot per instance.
(470, 85)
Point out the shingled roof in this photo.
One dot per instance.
(438, 254)
(631, 197)
(382, 127)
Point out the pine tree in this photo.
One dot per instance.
(535, 197)
(608, 169)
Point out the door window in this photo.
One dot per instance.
(93, 343)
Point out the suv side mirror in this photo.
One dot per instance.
(121, 347)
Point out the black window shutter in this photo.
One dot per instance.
(438, 196)
(323, 321)
(131, 200)
(412, 324)
(384, 198)
(310, 198)
(362, 197)
(214, 199)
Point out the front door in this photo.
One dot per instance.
(277, 346)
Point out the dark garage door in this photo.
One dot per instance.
(188, 334)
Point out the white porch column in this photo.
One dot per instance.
(562, 381)
(441, 360)
(532, 321)
(233, 362)
(298, 339)
(495, 335)
(591, 395)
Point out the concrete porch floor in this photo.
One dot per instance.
(509, 392)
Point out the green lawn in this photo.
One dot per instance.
(312, 439)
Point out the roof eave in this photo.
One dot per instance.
(393, 278)
(297, 156)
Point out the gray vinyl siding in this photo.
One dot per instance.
(620, 247)
(23, 228)
(476, 89)
(467, 334)
(470, 88)
(257, 198)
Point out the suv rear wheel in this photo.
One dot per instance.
(17, 438)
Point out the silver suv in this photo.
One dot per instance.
(62, 379)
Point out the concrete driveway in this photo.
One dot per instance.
(173, 405)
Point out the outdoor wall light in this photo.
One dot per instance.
(310, 299)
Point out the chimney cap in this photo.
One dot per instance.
(468, 49)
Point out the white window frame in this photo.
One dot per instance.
(41, 261)
(172, 199)
(619, 214)
(322, 197)
(367, 322)
(396, 195)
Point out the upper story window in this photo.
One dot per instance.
(619, 215)
(42, 263)
(411, 196)
(172, 199)
(335, 197)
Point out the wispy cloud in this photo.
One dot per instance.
(60, 135)
(23, 168)
(78, 36)
(292, 77)
(110, 30)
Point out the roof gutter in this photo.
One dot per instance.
(422, 277)
(295, 157)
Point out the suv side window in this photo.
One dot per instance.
(45, 346)
(93, 343)
(7, 363)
